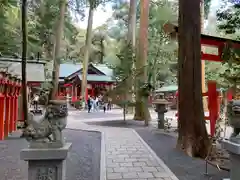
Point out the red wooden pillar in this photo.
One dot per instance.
(229, 95)
(2, 117)
(11, 105)
(19, 86)
(2, 105)
(15, 99)
(7, 105)
(212, 105)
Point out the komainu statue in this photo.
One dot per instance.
(47, 130)
(233, 113)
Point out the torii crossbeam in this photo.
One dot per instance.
(206, 40)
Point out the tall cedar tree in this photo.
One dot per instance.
(24, 61)
(193, 138)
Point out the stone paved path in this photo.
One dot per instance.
(128, 157)
(125, 155)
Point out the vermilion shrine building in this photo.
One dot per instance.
(99, 79)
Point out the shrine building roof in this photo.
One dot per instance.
(35, 71)
(67, 69)
(98, 78)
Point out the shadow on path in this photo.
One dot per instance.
(183, 166)
(83, 162)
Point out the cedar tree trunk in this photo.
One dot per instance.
(56, 59)
(24, 62)
(88, 43)
(141, 108)
(193, 138)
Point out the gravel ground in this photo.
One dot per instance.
(183, 166)
(83, 162)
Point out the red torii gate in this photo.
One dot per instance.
(206, 40)
(212, 94)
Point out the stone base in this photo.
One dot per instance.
(231, 146)
(235, 139)
(44, 145)
(46, 163)
(234, 151)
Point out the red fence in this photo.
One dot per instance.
(9, 92)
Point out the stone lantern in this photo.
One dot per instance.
(161, 109)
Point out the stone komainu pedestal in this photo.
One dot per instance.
(47, 151)
(46, 164)
(233, 147)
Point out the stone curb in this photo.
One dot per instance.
(156, 157)
(103, 172)
(102, 162)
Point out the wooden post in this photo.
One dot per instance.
(15, 100)
(2, 117)
(86, 95)
(11, 106)
(212, 105)
(2, 104)
(7, 107)
(92, 91)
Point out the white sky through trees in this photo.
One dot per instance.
(101, 15)
(105, 12)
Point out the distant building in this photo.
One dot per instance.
(99, 79)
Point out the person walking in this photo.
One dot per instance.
(105, 104)
(109, 105)
(35, 102)
(89, 103)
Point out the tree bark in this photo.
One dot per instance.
(131, 41)
(205, 104)
(141, 108)
(193, 138)
(86, 54)
(24, 62)
(56, 58)
(131, 36)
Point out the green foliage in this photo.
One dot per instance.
(126, 58)
(229, 18)
(207, 4)
(229, 22)
(77, 104)
(161, 51)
